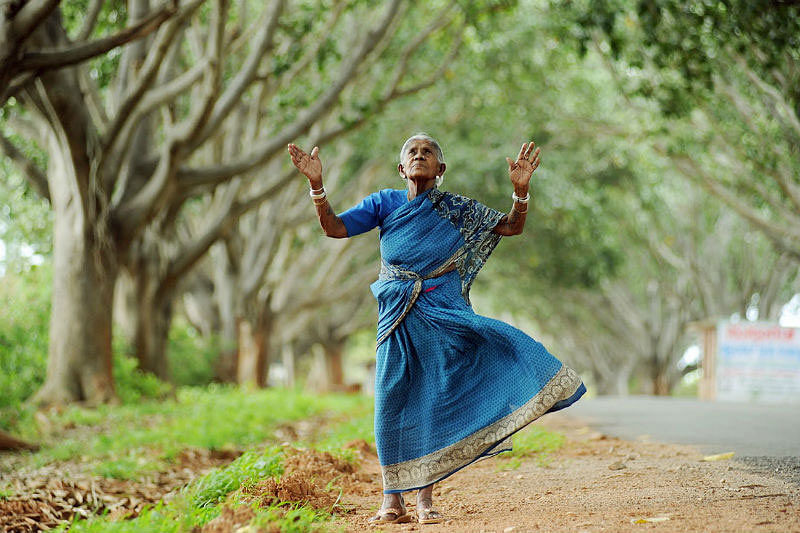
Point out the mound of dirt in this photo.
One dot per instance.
(231, 519)
(293, 487)
(322, 466)
(362, 446)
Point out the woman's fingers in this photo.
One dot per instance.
(521, 154)
(527, 152)
(530, 151)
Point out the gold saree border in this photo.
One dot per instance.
(430, 468)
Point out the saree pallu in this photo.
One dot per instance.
(451, 386)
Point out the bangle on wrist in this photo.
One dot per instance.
(317, 194)
(320, 201)
(317, 191)
(523, 200)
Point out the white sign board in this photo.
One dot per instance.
(757, 361)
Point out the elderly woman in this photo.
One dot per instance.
(451, 386)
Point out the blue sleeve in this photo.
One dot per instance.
(362, 217)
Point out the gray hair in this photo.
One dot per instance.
(423, 137)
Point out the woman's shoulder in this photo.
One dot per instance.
(393, 193)
(451, 197)
(390, 197)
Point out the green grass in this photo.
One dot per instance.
(532, 442)
(204, 499)
(128, 440)
(212, 488)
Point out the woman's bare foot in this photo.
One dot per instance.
(392, 511)
(425, 511)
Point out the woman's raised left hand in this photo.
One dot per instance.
(521, 170)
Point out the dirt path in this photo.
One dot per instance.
(597, 483)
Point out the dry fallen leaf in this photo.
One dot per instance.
(649, 520)
(718, 457)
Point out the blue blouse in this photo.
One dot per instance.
(372, 210)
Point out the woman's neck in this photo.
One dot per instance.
(417, 187)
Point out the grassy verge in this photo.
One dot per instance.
(532, 442)
(128, 441)
(226, 493)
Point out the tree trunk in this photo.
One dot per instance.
(660, 379)
(153, 320)
(254, 344)
(287, 355)
(149, 309)
(84, 273)
(84, 248)
(225, 275)
(333, 364)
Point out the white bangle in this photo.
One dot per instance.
(521, 200)
(317, 194)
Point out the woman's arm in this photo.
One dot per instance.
(520, 172)
(311, 167)
(514, 221)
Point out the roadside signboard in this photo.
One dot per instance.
(757, 361)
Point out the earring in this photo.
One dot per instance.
(439, 180)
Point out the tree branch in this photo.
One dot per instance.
(89, 21)
(31, 16)
(148, 72)
(39, 61)
(191, 254)
(319, 40)
(783, 237)
(438, 22)
(29, 169)
(245, 75)
(136, 212)
(191, 178)
(781, 176)
(784, 109)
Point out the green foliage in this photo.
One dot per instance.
(202, 500)
(297, 519)
(112, 18)
(358, 425)
(176, 517)
(132, 384)
(683, 46)
(213, 418)
(25, 218)
(533, 442)
(129, 466)
(25, 300)
(215, 486)
(191, 356)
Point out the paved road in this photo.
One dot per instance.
(756, 430)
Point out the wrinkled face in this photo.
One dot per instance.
(420, 162)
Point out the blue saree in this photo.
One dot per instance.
(451, 386)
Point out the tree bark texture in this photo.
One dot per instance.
(79, 358)
(252, 368)
(333, 363)
(84, 255)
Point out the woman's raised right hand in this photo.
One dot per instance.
(310, 165)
